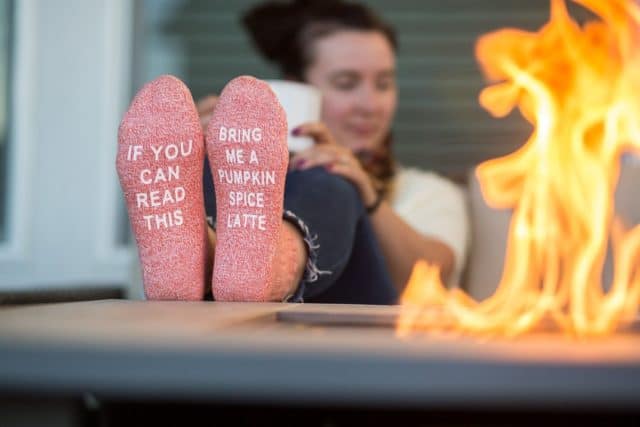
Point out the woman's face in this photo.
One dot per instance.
(355, 71)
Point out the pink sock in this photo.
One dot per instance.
(159, 162)
(247, 149)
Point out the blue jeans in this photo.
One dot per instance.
(346, 263)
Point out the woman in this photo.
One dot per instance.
(402, 215)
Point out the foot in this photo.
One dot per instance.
(159, 163)
(247, 149)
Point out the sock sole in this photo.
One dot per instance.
(246, 146)
(159, 164)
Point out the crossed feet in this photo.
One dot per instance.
(256, 255)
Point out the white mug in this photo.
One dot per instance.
(301, 103)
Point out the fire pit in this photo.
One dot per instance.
(248, 354)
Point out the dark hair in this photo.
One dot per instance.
(283, 32)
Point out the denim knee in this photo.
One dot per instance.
(324, 189)
(330, 208)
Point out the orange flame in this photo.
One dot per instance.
(580, 88)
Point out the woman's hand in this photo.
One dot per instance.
(335, 158)
(205, 107)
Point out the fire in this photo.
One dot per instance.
(579, 85)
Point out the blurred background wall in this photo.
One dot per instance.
(68, 69)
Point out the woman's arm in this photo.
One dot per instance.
(402, 246)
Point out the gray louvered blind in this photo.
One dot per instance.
(439, 124)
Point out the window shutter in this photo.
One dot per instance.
(439, 123)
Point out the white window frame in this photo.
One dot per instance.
(20, 140)
(101, 260)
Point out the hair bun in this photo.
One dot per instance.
(273, 26)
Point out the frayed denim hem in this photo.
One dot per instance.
(312, 272)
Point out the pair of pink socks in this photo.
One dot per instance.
(159, 162)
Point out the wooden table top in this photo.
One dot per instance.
(241, 351)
